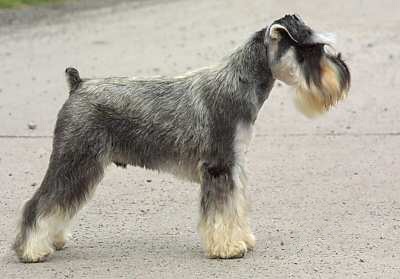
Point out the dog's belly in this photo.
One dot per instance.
(168, 162)
(182, 161)
(185, 171)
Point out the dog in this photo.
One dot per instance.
(197, 126)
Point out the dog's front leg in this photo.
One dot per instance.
(223, 225)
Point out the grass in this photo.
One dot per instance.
(20, 3)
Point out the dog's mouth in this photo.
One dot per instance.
(324, 85)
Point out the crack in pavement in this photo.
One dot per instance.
(24, 137)
(331, 134)
(257, 136)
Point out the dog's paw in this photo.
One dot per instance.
(33, 250)
(59, 245)
(250, 241)
(35, 257)
(228, 250)
(60, 240)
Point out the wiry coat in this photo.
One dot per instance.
(167, 123)
(178, 125)
(196, 126)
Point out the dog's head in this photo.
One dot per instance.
(306, 60)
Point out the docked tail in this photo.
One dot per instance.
(73, 78)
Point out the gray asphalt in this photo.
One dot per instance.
(325, 193)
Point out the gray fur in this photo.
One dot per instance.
(149, 123)
(184, 125)
(73, 78)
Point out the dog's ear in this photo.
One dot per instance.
(293, 26)
(298, 31)
(276, 30)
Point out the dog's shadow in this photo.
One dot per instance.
(113, 253)
(165, 246)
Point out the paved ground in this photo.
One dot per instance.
(325, 192)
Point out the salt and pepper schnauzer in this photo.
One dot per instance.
(197, 126)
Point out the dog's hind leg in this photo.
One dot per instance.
(223, 226)
(70, 180)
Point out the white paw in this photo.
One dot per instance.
(36, 256)
(228, 250)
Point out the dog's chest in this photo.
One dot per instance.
(243, 136)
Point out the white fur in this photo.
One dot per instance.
(287, 69)
(329, 49)
(49, 233)
(226, 233)
(324, 38)
(243, 137)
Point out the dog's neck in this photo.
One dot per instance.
(250, 61)
(246, 73)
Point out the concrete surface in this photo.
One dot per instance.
(325, 193)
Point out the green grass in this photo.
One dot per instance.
(20, 3)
